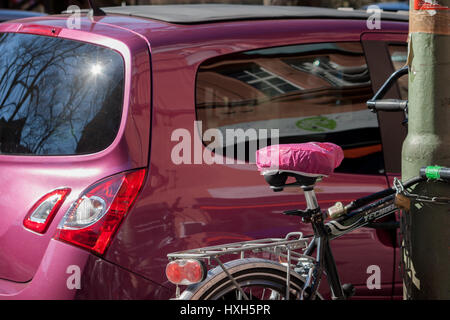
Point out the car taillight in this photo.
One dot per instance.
(44, 210)
(186, 271)
(40, 29)
(93, 219)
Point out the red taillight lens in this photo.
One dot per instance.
(94, 218)
(42, 213)
(40, 29)
(186, 271)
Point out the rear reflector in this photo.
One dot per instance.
(42, 213)
(93, 219)
(186, 271)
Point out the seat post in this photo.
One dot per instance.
(310, 196)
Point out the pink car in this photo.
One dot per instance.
(107, 152)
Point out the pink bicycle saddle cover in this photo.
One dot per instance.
(311, 159)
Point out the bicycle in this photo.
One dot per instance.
(297, 274)
(300, 274)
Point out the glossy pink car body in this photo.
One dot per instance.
(180, 206)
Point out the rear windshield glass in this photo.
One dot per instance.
(58, 97)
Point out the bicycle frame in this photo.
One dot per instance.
(361, 217)
(359, 213)
(325, 232)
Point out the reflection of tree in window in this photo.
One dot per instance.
(51, 90)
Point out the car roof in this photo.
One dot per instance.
(207, 13)
(9, 14)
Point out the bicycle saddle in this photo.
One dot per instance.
(305, 162)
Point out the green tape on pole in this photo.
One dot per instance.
(432, 172)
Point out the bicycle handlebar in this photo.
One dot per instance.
(389, 105)
(435, 173)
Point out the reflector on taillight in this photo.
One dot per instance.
(44, 210)
(93, 219)
(186, 271)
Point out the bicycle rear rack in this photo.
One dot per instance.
(273, 245)
(281, 247)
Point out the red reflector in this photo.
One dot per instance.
(186, 271)
(42, 213)
(93, 219)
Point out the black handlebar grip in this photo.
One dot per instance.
(389, 105)
(435, 173)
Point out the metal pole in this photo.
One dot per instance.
(426, 227)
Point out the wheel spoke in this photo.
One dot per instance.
(256, 285)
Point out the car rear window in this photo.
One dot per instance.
(57, 96)
(309, 92)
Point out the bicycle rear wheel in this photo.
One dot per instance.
(260, 280)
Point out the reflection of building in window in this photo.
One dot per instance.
(310, 92)
(399, 55)
(267, 82)
(333, 73)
